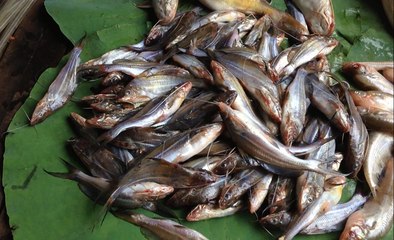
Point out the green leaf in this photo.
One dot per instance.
(373, 45)
(79, 17)
(43, 207)
(353, 18)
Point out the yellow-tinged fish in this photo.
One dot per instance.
(281, 20)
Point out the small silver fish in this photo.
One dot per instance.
(334, 220)
(60, 90)
(294, 108)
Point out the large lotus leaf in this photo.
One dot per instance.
(43, 207)
(79, 17)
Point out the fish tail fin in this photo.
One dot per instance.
(72, 173)
(321, 167)
(106, 208)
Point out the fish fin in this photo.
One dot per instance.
(100, 217)
(306, 149)
(107, 206)
(71, 174)
(59, 175)
(322, 168)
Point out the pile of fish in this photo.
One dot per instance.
(216, 114)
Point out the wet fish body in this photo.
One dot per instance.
(380, 147)
(60, 90)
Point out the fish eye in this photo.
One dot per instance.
(227, 196)
(275, 221)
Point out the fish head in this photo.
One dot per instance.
(322, 22)
(353, 68)
(226, 165)
(132, 96)
(157, 191)
(177, 96)
(342, 120)
(309, 194)
(78, 119)
(225, 197)
(355, 232)
(203, 178)
(91, 72)
(217, 68)
(219, 73)
(225, 110)
(196, 212)
(279, 219)
(227, 97)
(102, 121)
(331, 44)
(183, 89)
(292, 27)
(41, 112)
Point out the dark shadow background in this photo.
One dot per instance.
(36, 45)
